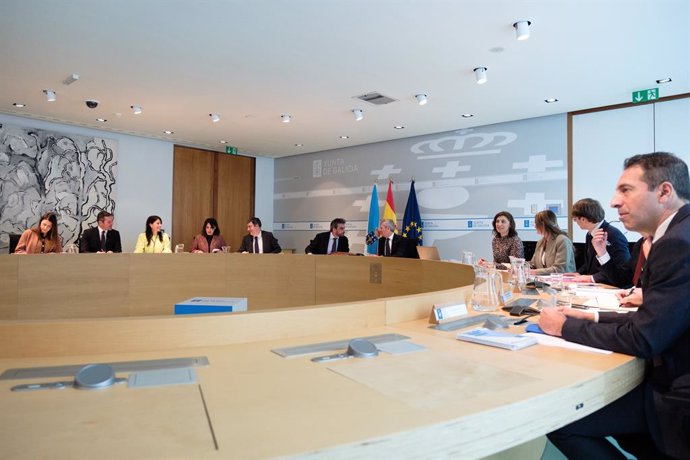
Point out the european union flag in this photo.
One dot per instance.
(412, 222)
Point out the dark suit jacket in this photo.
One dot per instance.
(660, 329)
(620, 275)
(270, 243)
(319, 245)
(398, 246)
(617, 249)
(91, 241)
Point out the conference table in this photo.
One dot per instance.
(446, 399)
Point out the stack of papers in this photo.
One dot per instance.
(601, 298)
(499, 339)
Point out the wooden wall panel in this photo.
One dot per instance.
(235, 196)
(193, 175)
(8, 286)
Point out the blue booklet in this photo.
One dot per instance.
(499, 339)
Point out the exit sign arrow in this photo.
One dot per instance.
(645, 95)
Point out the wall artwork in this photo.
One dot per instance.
(74, 176)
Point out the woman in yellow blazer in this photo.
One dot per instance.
(554, 252)
(42, 239)
(153, 241)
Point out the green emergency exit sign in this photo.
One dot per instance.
(230, 150)
(645, 95)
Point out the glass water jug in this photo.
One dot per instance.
(488, 287)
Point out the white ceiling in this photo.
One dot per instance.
(253, 60)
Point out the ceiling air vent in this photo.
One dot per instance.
(375, 98)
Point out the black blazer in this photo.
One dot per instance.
(398, 246)
(620, 275)
(270, 243)
(617, 249)
(319, 245)
(91, 241)
(660, 329)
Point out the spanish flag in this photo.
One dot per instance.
(389, 208)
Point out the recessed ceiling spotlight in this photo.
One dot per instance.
(19, 104)
(285, 118)
(480, 75)
(664, 80)
(359, 114)
(299, 145)
(422, 99)
(522, 29)
(102, 120)
(398, 127)
(168, 132)
(223, 142)
(136, 109)
(50, 95)
(551, 100)
(467, 115)
(344, 137)
(214, 117)
(71, 79)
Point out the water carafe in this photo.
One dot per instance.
(518, 272)
(487, 287)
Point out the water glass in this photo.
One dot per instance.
(179, 248)
(467, 258)
(225, 249)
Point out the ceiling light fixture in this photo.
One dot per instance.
(522, 29)
(168, 132)
(223, 142)
(50, 95)
(422, 99)
(19, 104)
(359, 114)
(214, 117)
(551, 100)
(467, 115)
(285, 118)
(664, 80)
(299, 145)
(71, 79)
(344, 137)
(136, 109)
(480, 75)
(398, 127)
(102, 120)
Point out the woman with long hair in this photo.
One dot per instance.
(42, 239)
(153, 240)
(554, 252)
(506, 242)
(210, 239)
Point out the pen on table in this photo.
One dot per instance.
(579, 306)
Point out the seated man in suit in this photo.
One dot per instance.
(101, 238)
(330, 242)
(257, 241)
(390, 243)
(652, 197)
(589, 216)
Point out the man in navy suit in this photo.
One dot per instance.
(589, 216)
(258, 241)
(331, 242)
(390, 243)
(652, 197)
(101, 238)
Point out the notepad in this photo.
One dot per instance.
(499, 339)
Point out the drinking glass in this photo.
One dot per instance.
(179, 248)
(225, 249)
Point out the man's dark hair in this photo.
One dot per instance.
(337, 221)
(661, 167)
(255, 221)
(102, 215)
(589, 209)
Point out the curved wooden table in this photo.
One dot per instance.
(452, 399)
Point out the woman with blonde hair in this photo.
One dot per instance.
(554, 252)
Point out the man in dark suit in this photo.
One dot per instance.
(331, 242)
(101, 238)
(652, 197)
(390, 243)
(258, 241)
(589, 216)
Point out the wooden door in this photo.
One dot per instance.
(235, 196)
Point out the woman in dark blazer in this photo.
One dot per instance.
(210, 239)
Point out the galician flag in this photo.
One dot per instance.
(389, 208)
(371, 239)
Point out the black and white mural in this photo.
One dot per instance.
(74, 176)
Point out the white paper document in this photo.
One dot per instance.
(551, 341)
